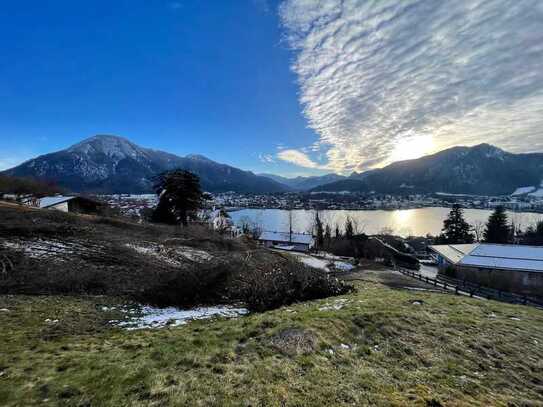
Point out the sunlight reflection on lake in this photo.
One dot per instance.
(404, 222)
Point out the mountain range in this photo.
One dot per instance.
(111, 164)
(479, 170)
(305, 183)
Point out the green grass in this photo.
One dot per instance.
(378, 349)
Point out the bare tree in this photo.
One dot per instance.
(478, 228)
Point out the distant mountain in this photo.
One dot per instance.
(304, 183)
(111, 164)
(482, 169)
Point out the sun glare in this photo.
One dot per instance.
(412, 147)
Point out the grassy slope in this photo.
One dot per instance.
(449, 350)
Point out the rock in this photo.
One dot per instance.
(294, 341)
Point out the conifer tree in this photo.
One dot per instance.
(319, 231)
(349, 228)
(455, 228)
(180, 196)
(497, 229)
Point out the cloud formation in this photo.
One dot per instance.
(266, 158)
(298, 158)
(383, 80)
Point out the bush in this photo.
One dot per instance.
(268, 287)
(186, 288)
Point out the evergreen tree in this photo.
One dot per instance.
(338, 232)
(497, 228)
(455, 229)
(534, 235)
(319, 231)
(180, 196)
(349, 228)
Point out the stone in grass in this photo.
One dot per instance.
(294, 341)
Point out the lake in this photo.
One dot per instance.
(403, 222)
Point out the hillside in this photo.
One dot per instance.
(51, 252)
(111, 164)
(381, 346)
(482, 169)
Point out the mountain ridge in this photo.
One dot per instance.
(113, 164)
(482, 169)
(304, 183)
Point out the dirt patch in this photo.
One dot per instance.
(294, 341)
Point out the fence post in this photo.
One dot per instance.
(456, 290)
(445, 285)
(525, 300)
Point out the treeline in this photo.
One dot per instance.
(498, 229)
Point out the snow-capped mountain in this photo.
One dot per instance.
(482, 169)
(111, 164)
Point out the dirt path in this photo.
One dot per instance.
(390, 278)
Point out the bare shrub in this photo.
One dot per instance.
(268, 286)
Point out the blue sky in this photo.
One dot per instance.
(284, 86)
(208, 77)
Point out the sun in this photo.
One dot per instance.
(412, 147)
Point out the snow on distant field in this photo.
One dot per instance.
(172, 255)
(523, 191)
(152, 317)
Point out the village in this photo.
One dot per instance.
(515, 269)
(356, 201)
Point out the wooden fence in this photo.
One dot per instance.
(461, 287)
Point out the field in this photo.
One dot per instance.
(379, 346)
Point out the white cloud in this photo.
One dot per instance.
(375, 75)
(298, 158)
(266, 158)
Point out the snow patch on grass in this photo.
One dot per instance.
(324, 264)
(148, 317)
